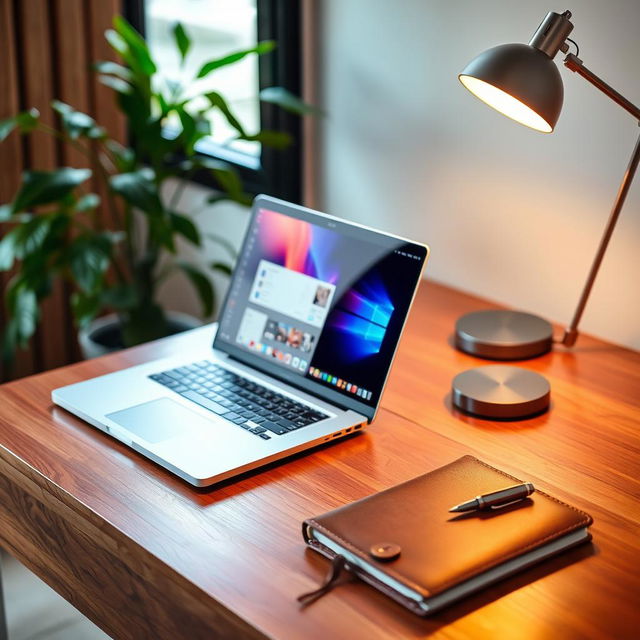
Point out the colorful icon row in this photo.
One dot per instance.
(340, 383)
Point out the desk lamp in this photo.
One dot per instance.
(522, 82)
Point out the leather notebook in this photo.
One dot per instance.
(435, 557)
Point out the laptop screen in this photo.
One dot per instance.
(319, 302)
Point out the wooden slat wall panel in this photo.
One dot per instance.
(71, 65)
(99, 18)
(11, 156)
(38, 90)
(72, 68)
(46, 48)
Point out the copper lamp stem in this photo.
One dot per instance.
(575, 64)
(571, 333)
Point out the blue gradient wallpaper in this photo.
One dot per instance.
(363, 315)
(365, 321)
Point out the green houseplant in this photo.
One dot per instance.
(51, 229)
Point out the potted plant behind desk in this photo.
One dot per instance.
(56, 233)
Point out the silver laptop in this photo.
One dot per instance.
(305, 341)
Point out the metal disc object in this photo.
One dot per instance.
(503, 335)
(500, 391)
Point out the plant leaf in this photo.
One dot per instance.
(121, 297)
(114, 69)
(26, 121)
(161, 232)
(87, 201)
(138, 189)
(183, 42)
(139, 56)
(219, 196)
(117, 84)
(30, 236)
(186, 228)
(202, 285)
(42, 187)
(5, 212)
(275, 139)
(288, 101)
(162, 104)
(89, 259)
(194, 128)
(117, 42)
(51, 255)
(8, 250)
(212, 65)
(114, 237)
(6, 127)
(222, 267)
(188, 126)
(22, 304)
(124, 157)
(228, 179)
(218, 101)
(97, 133)
(140, 81)
(25, 313)
(75, 123)
(85, 307)
(226, 176)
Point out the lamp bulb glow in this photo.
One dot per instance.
(505, 103)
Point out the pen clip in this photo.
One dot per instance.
(506, 504)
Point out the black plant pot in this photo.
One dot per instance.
(104, 334)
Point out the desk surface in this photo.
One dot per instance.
(145, 555)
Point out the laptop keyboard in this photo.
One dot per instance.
(253, 407)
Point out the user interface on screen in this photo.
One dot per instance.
(325, 301)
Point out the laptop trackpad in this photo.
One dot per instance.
(158, 420)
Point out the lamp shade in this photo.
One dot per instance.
(520, 81)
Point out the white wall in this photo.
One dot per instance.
(510, 214)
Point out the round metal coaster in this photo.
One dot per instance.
(503, 335)
(500, 391)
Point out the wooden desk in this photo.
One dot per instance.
(146, 556)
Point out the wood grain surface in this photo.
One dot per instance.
(144, 555)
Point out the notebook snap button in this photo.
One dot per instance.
(385, 550)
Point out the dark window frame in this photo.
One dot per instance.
(274, 172)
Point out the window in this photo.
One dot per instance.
(219, 27)
(216, 28)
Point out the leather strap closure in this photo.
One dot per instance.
(338, 564)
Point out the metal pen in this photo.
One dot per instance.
(496, 499)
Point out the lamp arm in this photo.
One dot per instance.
(574, 63)
(571, 333)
